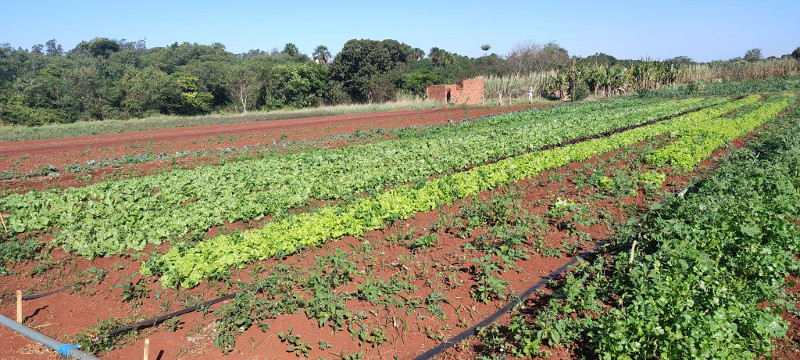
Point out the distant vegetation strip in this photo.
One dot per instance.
(188, 264)
(113, 216)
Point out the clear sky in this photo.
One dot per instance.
(702, 30)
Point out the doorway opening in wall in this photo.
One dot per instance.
(448, 96)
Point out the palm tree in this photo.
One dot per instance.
(416, 54)
(290, 50)
(440, 57)
(322, 55)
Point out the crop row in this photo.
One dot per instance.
(705, 280)
(188, 264)
(114, 216)
(699, 139)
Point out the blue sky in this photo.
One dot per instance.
(702, 30)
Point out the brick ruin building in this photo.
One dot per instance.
(469, 91)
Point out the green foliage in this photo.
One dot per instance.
(697, 140)
(298, 231)
(99, 47)
(193, 101)
(296, 345)
(133, 290)
(14, 250)
(424, 242)
(363, 68)
(109, 217)
(93, 339)
(710, 303)
(14, 111)
(296, 86)
(708, 274)
(580, 92)
(488, 286)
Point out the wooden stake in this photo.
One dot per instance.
(4, 222)
(633, 248)
(146, 349)
(19, 306)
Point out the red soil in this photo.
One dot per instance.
(65, 314)
(32, 155)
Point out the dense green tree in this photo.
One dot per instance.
(362, 67)
(97, 47)
(299, 86)
(193, 101)
(150, 91)
(417, 83)
(753, 55)
(53, 48)
(291, 50)
(440, 57)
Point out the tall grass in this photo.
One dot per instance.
(515, 87)
(641, 77)
(738, 70)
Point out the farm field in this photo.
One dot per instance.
(26, 164)
(386, 243)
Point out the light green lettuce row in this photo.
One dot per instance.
(699, 139)
(114, 216)
(187, 265)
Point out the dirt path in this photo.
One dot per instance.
(26, 156)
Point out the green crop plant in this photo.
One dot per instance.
(114, 216)
(187, 264)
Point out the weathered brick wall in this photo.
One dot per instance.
(439, 92)
(469, 91)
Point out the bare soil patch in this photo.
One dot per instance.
(34, 155)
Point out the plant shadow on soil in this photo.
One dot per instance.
(405, 289)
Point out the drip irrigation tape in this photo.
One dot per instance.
(56, 291)
(491, 319)
(505, 309)
(160, 319)
(595, 136)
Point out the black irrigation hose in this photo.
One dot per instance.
(31, 297)
(160, 319)
(505, 309)
(594, 136)
(491, 319)
(430, 353)
(461, 121)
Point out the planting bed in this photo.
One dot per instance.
(129, 149)
(386, 258)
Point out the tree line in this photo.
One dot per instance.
(119, 79)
